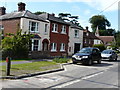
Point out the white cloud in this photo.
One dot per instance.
(87, 12)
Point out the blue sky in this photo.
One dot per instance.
(85, 9)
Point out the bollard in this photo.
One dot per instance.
(8, 66)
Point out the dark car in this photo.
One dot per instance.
(109, 55)
(87, 56)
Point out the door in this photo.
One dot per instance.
(76, 47)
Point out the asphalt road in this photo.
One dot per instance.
(103, 75)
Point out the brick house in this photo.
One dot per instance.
(89, 39)
(59, 35)
(28, 22)
(75, 39)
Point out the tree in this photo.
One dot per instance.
(117, 37)
(39, 12)
(99, 21)
(16, 45)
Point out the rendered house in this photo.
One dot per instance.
(75, 39)
(28, 22)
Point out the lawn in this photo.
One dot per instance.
(27, 68)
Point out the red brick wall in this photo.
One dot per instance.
(59, 38)
(11, 26)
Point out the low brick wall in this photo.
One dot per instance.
(39, 54)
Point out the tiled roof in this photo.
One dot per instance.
(106, 39)
(26, 14)
(75, 26)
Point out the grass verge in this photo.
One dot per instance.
(27, 68)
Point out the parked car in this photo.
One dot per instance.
(109, 55)
(87, 56)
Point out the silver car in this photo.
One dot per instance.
(109, 55)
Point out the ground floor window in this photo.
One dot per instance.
(35, 45)
(62, 47)
(53, 47)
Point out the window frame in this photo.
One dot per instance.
(33, 26)
(76, 35)
(63, 29)
(53, 47)
(54, 27)
(62, 47)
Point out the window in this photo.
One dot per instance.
(76, 33)
(53, 46)
(54, 28)
(63, 29)
(46, 26)
(62, 47)
(35, 45)
(33, 26)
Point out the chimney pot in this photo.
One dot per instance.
(21, 6)
(2, 10)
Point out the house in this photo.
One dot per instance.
(89, 39)
(107, 40)
(30, 23)
(59, 35)
(75, 39)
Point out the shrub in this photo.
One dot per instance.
(61, 60)
(100, 46)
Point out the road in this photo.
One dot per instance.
(103, 75)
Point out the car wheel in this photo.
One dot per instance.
(74, 62)
(90, 62)
(116, 59)
(99, 61)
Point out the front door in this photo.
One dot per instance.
(76, 47)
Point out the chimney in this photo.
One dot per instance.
(53, 14)
(2, 11)
(21, 6)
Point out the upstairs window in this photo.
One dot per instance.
(76, 33)
(62, 47)
(63, 29)
(33, 26)
(54, 27)
(46, 28)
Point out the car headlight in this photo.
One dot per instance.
(73, 56)
(84, 56)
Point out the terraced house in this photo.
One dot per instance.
(52, 35)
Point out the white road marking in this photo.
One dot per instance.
(75, 81)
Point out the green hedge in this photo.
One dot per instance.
(100, 46)
(61, 60)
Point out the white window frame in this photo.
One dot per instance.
(62, 47)
(63, 29)
(35, 27)
(55, 27)
(76, 34)
(34, 45)
(53, 47)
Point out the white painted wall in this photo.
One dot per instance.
(73, 40)
(24, 25)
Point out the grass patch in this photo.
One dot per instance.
(61, 60)
(17, 60)
(27, 68)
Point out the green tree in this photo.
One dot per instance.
(117, 37)
(39, 12)
(99, 21)
(16, 45)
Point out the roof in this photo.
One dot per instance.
(106, 39)
(56, 19)
(20, 14)
(91, 35)
(76, 26)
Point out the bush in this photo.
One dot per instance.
(100, 46)
(61, 60)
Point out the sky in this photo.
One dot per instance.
(85, 9)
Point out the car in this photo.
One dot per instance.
(109, 55)
(87, 56)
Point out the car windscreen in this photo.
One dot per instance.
(106, 52)
(86, 50)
